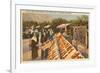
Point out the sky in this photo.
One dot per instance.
(29, 15)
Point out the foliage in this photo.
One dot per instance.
(80, 21)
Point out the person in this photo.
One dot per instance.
(74, 43)
(34, 48)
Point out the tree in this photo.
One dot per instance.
(81, 20)
(58, 21)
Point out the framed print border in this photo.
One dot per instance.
(16, 66)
